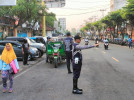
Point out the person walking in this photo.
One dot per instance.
(130, 42)
(8, 55)
(25, 52)
(68, 41)
(77, 62)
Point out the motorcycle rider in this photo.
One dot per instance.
(86, 40)
(96, 40)
(105, 41)
(77, 62)
(48, 40)
(68, 41)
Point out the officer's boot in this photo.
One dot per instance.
(68, 67)
(77, 86)
(75, 89)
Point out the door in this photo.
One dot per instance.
(18, 50)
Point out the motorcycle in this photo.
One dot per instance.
(106, 45)
(55, 52)
(97, 42)
(56, 56)
(86, 42)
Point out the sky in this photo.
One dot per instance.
(78, 12)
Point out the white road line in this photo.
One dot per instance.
(115, 59)
(103, 52)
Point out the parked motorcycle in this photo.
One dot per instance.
(56, 56)
(55, 52)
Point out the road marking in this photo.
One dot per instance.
(115, 59)
(103, 52)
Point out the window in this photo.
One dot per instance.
(14, 45)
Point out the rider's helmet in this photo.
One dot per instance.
(48, 37)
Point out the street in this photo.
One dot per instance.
(106, 75)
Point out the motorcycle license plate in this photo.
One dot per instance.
(55, 57)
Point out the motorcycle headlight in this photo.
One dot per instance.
(55, 50)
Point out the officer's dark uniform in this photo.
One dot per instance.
(68, 49)
(77, 66)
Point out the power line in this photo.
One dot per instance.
(81, 13)
(88, 2)
(84, 8)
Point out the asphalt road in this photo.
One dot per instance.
(106, 75)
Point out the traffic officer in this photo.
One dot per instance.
(48, 40)
(77, 62)
(68, 41)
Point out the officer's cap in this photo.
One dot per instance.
(68, 34)
(77, 37)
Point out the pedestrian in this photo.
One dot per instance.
(8, 55)
(25, 52)
(48, 40)
(68, 41)
(77, 62)
(130, 42)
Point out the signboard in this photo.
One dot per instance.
(54, 3)
(7, 2)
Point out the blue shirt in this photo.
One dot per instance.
(130, 40)
(4, 66)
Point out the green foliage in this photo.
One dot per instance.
(128, 12)
(98, 25)
(25, 10)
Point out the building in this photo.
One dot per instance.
(56, 26)
(62, 22)
(117, 4)
(6, 26)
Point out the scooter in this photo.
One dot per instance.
(97, 42)
(106, 45)
(86, 41)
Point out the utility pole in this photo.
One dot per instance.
(103, 10)
(43, 22)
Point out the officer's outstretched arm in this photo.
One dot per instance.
(81, 47)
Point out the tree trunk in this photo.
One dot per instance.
(117, 32)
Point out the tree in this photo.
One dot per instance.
(128, 13)
(25, 10)
(50, 18)
(117, 19)
(98, 26)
